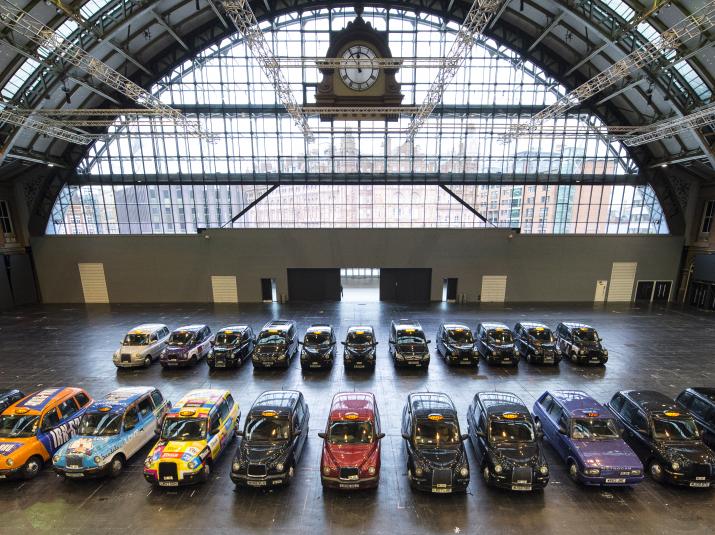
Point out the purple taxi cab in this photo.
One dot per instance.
(588, 438)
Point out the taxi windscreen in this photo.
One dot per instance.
(360, 337)
(99, 424)
(181, 338)
(184, 429)
(436, 433)
(586, 335)
(415, 337)
(266, 339)
(511, 431)
(226, 339)
(267, 429)
(542, 335)
(594, 429)
(460, 336)
(667, 428)
(316, 339)
(350, 433)
(500, 337)
(16, 426)
(136, 339)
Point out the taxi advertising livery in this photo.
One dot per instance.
(194, 433)
(110, 432)
(32, 429)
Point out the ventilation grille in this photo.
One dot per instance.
(620, 289)
(224, 289)
(94, 284)
(493, 288)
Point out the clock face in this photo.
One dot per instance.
(359, 76)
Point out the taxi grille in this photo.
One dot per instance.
(441, 476)
(74, 461)
(126, 357)
(701, 470)
(257, 470)
(521, 475)
(168, 472)
(348, 473)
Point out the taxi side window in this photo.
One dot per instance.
(300, 414)
(165, 332)
(229, 402)
(547, 402)
(51, 420)
(555, 412)
(617, 403)
(82, 399)
(157, 398)
(131, 419)
(699, 407)
(223, 410)
(145, 407)
(482, 423)
(215, 422)
(68, 408)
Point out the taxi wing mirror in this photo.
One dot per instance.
(343, 343)
(239, 433)
(562, 429)
(212, 341)
(539, 434)
(380, 436)
(375, 343)
(428, 341)
(406, 436)
(481, 434)
(464, 436)
(321, 435)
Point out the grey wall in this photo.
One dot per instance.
(178, 268)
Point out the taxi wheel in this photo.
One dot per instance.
(485, 473)
(573, 471)
(32, 467)
(574, 358)
(655, 470)
(193, 360)
(291, 472)
(207, 470)
(116, 466)
(528, 358)
(147, 361)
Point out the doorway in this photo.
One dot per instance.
(661, 292)
(644, 291)
(405, 285)
(600, 295)
(315, 284)
(360, 284)
(449, 290)
(268, 291)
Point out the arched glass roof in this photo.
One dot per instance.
(569, 179)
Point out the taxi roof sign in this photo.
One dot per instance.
(510, 415)
(269, 414)
(435, 417)
(672, 414)
(359, 332)
(106, 408)
(591, 414)
(22, 410)
(187, 413)
(350, 415)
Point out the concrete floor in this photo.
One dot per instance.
(72, 345)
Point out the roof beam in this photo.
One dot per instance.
(243, 212)
(93, 90)
(169, 29)
(546, 31)
(464, 203)
(623, 89)
(218, 14)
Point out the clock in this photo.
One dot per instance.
(359, 76)
(356, 84)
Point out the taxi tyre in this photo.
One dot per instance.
(486, 475)
(147, 361)
(32, 467)
(573, 471)
(193, 360)
(574, 358)
(116, 465)
(655, 469)
(206, 473)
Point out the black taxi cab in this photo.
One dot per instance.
(318, 347)
(495, 344)
(580, 343)
(274, 438)
(436, 459)
(276, 345)
(506, 442)
(231, 347)
(536, 343)
(360, 347)
(455, 343)
(408, 344)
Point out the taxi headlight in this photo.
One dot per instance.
(399, 356)
(282, 356)
(583, 351)
(419, 472)
(371, 470)
(56, 458)
(97, 459)
(544, 470)
(635, 472)
(592, 471)
(464, 471)
(195, 463)
(10, 462)
(326, 470)
(147, 462)
(676, 466)
(279, 467)
(497, 469)
(236, 466)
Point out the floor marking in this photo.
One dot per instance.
(90, 496)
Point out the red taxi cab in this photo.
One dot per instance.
(351, 443)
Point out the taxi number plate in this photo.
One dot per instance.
(268, 364)
(521, 487)
(548, 360)
(3, 476)
(700, 484)
(256, 483)
(349, 485)
(466, 361)
(220, 364)
(616, 480)
(315, 364)
(359, 365)
(441, 490)
(168, 483)
(506, 361)
(172, 363)
(595, 361)
(71, 474)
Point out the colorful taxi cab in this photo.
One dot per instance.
(186, 346)
(33, 429)
(111, 431)
(351, 443)
(141, 346)
(194, 433)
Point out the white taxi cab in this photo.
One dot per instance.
(142, 346)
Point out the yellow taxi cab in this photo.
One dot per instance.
(33, 429)
(194, 433)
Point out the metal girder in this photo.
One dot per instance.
(160, 20)
(685, 30)
(43, 127)
(670, 127)
(243, 212)
(93, 90)
(34, 157)
(464, 203)
(52, 43)
(240, 12)
(691, 156)
(355, 178)
(546, 31)
(623, 89)
(469, 32)
(219, 16)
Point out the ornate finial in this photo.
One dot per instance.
(359, 9)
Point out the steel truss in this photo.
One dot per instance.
(669, 127)
(46, 39)
(43, 127)
(689, 28)
(240, 12)
(471, 29)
